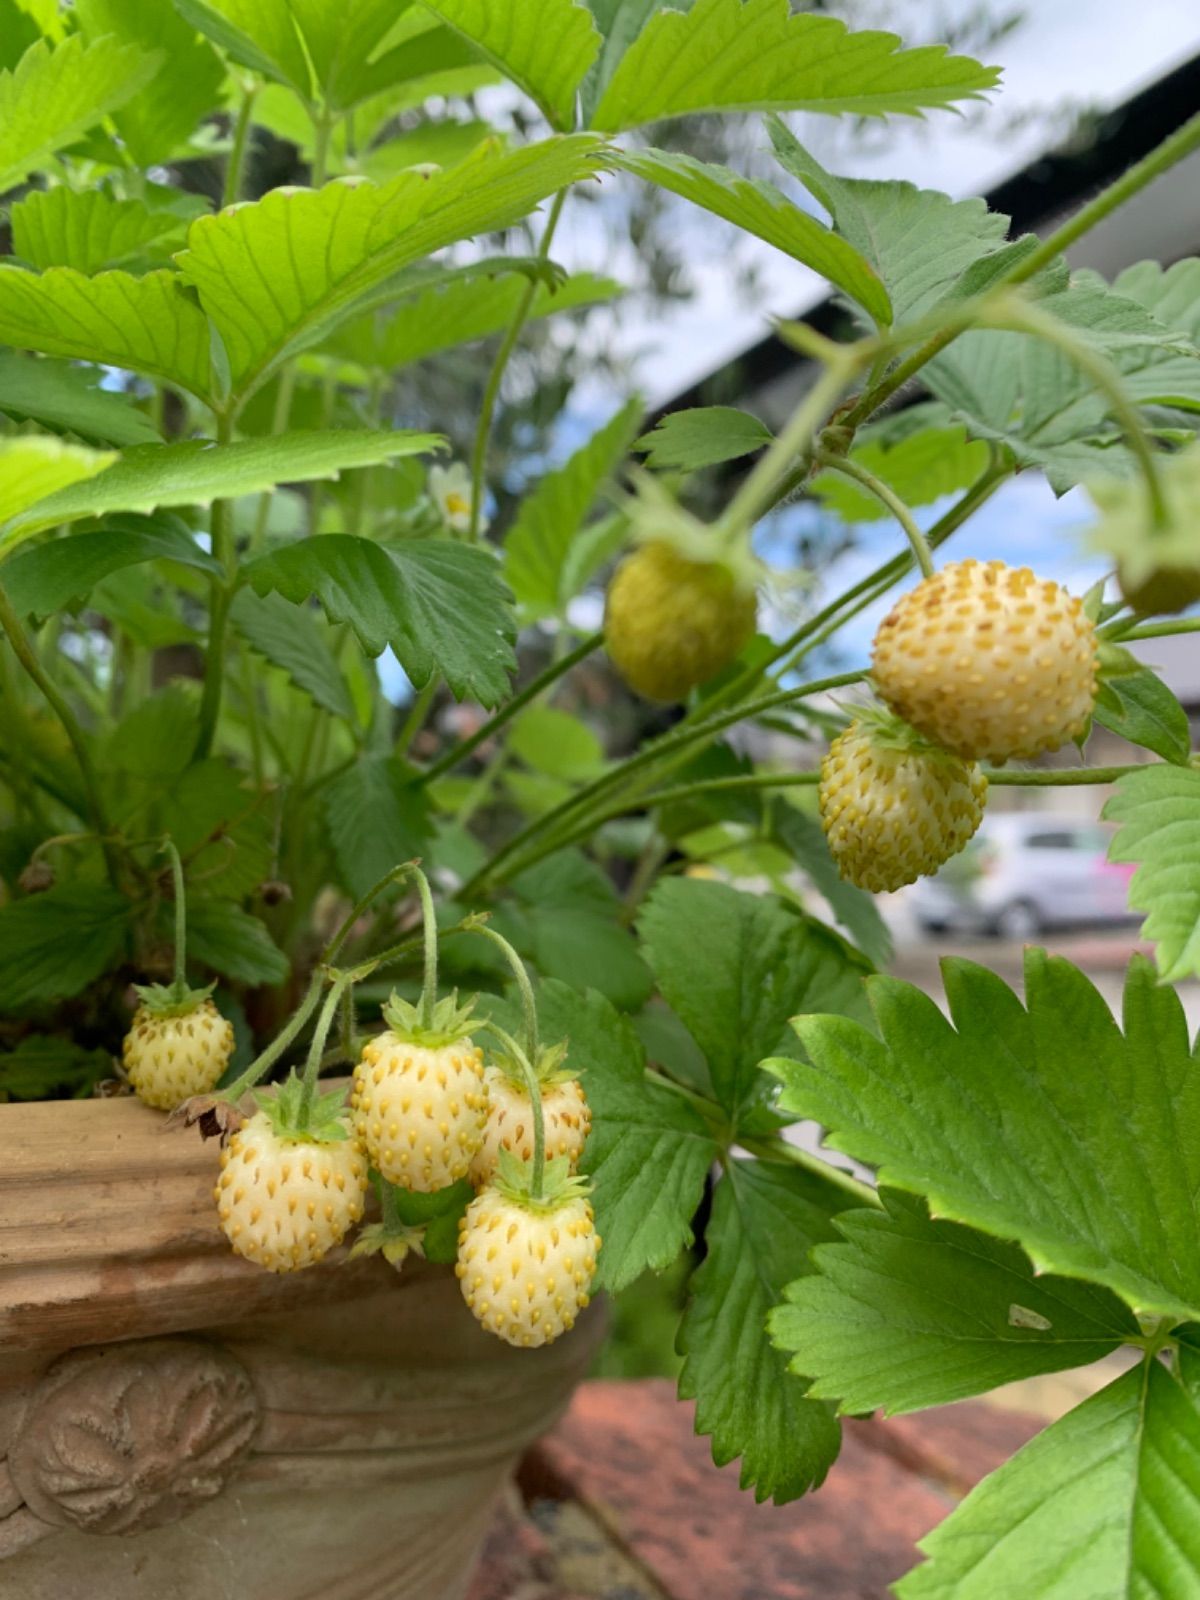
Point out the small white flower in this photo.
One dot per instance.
(450, 490)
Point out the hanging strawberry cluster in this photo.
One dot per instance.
(429, 1112)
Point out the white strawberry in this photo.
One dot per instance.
(175, 1048)
(565, 1113)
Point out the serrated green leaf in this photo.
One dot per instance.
(18, 30)
(620, 22)
(377, 819)
(918, 241)
(765, 1220)
(86, 229)
(342, 42)
(56, 92)
(726, 55)
(902, 1312)
(54, 944)
(458, 313)
(51, 1068)
(735, 967)
(1048, 1126)
(538, 545)
(289, 638)
(546, 47)
(196, 472)
(68, 399)
(259, 34)
(1139, 707)
(857, 912)
(224, 828)
(163, 115)
(920, 468)
(343, 242)
(572, 930)
(685, 441)
(441, 606)
(155, 739)
(1105, 1503)
(756, 207)
(648, 1152)
(233, 943)
(1158, 816)
(33, 467)
(48, 577)
(147, 325)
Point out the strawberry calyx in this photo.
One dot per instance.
(322, 1121)
(445, 1023)
(393, 1241)
(656, 517)
(514, 1179)
(889, 732)
(548, 1067)
(171, 999)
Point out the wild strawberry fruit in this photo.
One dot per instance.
(1154, 545)
(526, 1266)
(419, 1099)
(893, 807)
(176, 1046)
(565, 1113)
(286, 1197)
(989, 661)
(673, 623)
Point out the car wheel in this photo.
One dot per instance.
(1019, 921)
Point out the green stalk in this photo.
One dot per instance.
(27, 656)
(779, 1150)
(262, 1064)
(430, 931)
(528, 1002)
(491, 393)
(316, 1049)
(1157, 630)
(322, 129)
(509, 710)
(236, 167)
(887, 497)
(1061, 777)
(415, 720)
(330, 952)
(169, 850)
(223, 586)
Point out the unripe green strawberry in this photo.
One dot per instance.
(673, 623)
(565, 1112)
(893, 808)
(1164, 592)
(526, 1270)
(989, 661)
(419, 1099)
(168, 1057)
(285, 1199)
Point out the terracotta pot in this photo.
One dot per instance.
(177, 1424)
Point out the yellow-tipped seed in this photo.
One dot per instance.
(169, 1059)
(549, 1258)
(400, 1089)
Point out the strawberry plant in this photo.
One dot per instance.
(269, 641)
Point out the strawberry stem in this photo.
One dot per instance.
(528, 1002)
(262, 1064)
(429, 919)
(169, 850)
(886, 496)
(316, 1049)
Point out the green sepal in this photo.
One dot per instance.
(415, 1209)
(890, 732)
(549, 1067)
(324, 1123)
(656, 517)
(450, 1021)
(392, 1243)
(171, 999)
(514, 1180)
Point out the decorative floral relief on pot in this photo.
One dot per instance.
(133, 1436)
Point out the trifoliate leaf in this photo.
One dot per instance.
(48, 577)
(163, 115)
(86, 229)
(377, 818)
(348, 239)
(1158, 815)
(148, 325)
(1105, 1503)
(764, 1222)
(440, 605)
(233, 943)
(54, 944)
(1046, 1125)
(56, 92)
(756, 207)
(196, 472)
(545, 46)
(538, 546)
(648, 1152)
(291, 638)
(902, 1312)
(735, 967)
(726, 55)
(33, 467)
(918, 241)
(68, 399)
(685, 441)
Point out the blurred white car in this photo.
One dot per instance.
(1022, 873)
